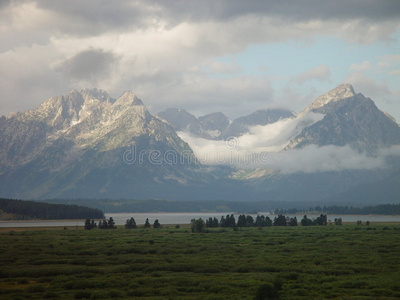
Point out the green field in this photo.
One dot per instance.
(318, 262)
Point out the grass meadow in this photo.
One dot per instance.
(318, 262)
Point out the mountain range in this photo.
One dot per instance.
(217, 125)
(87, 144)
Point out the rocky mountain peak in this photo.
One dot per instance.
(349, 119)
(214, 124)
(94, 93)
(128, 98)
(58, 112)
(341, 92)
(215, 121)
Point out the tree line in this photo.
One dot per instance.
(382, 209)
(260, 221)
(110, 224)
(198, 225)
(27, 210)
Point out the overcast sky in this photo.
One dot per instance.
(231, 56)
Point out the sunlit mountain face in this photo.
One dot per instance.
(88, 145)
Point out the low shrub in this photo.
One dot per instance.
(37, 288)
(82, 295)
(266, 291)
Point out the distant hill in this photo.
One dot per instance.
(27, 210)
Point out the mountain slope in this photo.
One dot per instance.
(181, 120)
(86, 143)
(350, 119)
(260, 117)
(214, 124)
(217, 125)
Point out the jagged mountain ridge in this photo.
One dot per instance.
(261, 117)
(350, 119)
(180, 120)
(79, 140)
(91, 119)
(219, 126)
(73, 146)
(209, 126)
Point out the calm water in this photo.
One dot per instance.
(182, 218)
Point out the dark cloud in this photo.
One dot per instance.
(89, 65)
(101, 15)
(165, 50)
(92, 17)
(292, 9)
(4, 3)
(26, 79)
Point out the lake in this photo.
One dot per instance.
(183, 218)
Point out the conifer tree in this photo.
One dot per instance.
(111, 223)
(88, 224)
(130, 223)
(156, 224)
(215, 222)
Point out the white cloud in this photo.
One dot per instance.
(249, 149)
(256, 154)
(364, 66)
(370, 88)
(384, 64)
(221, 67)
(262, 148)
(320, 73)
(394, 73)
(274, 137)
(161, 45)
(312, 159)
(389, 61)
(392, 58)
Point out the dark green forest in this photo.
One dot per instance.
(250, 207)
(27, 210)
(382, 209)
(160, 205)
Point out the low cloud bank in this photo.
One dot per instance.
(329, 158)
(260, 139)
(263, 148)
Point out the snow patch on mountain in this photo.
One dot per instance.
(341, 92)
